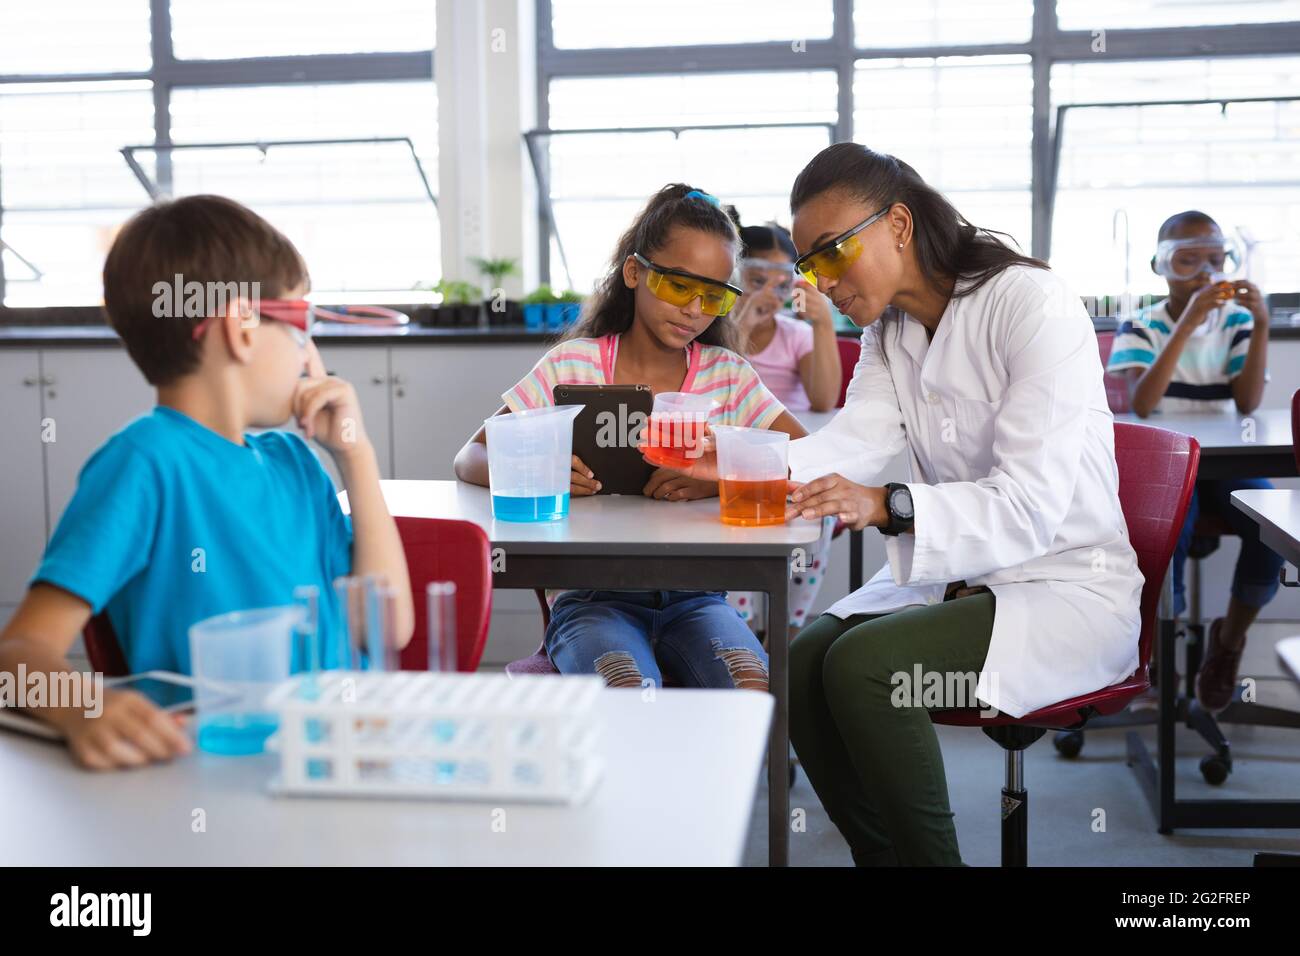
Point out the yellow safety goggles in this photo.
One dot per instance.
(680, 288)
(832, 260)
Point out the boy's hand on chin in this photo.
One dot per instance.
(131, 732)
(326, 409)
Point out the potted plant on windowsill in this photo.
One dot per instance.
(535, 306)
(500, 310)
(564, 311)
(460, 305)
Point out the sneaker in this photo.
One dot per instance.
(1217, 679)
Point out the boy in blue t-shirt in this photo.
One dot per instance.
(1205, 348)
(183, 514)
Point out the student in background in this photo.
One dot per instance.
(188, 477)
(657, 318)
(1205, 348)
(797, 357)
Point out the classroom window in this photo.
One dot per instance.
(887, 24)
(1125, 169)
(74, 36)
(963, 123)
(358, 212)
(1133, 14)
(585, 24)
(598, 181)
(231, 29)
(65, 187)
(78, 87)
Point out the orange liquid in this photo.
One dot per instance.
(673, 442)
(752, 503)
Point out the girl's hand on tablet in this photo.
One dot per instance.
(582, 481)
(668, 485)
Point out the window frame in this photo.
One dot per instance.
(1048, 45)
(167, 73)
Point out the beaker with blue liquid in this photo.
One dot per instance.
(530, 456)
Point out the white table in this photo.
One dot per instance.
(678, 789)
(1277, 512)
(631, 542)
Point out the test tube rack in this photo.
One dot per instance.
(437, 735)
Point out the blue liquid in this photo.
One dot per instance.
(535, 508)
(236, 735)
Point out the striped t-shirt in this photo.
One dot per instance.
(741, 399)
(1213, 355)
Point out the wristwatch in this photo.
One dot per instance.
(898, 505)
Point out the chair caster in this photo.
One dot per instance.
(1068, 743)
(1215, 769)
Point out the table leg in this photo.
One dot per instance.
(778, 751)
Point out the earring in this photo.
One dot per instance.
(900, 245)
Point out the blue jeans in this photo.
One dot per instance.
(1255, 580)
(633, 638)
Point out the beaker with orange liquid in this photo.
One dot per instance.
(674, 435)
(752, 473)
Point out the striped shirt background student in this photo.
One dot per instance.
(1205, 349)
(1212, 356)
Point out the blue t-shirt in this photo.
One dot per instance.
(171, 523)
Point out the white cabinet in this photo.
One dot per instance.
(442, 393)
(22, 516)
(89, 395)
(366, 367)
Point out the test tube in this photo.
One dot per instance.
(441, 598)
(349, 643)
(384, 655)
(306, 634)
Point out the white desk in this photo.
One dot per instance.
(1277, 512)
(631, 542)
(678, 790)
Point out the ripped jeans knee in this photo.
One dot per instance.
(619, 669)
(747, 668)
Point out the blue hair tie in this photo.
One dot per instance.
(696, 194)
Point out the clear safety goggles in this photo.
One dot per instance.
(758, 275)
(1219, 257)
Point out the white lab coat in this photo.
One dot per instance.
(1014, 482)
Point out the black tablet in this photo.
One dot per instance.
(606, 433)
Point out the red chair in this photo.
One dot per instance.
(1157, 471)
(850, 352)
(439, 549)
(1117, 394)
(102, 649)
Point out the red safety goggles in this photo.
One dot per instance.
(298, 314)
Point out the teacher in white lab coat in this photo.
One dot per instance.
(1011, 583)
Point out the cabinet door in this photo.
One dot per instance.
(90, 394)
(442, 393)
(366, 367)
(22, 517)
